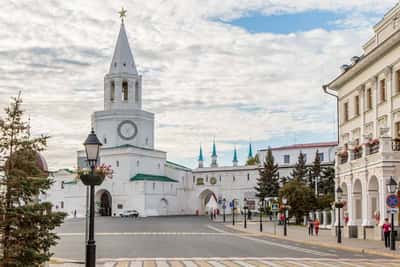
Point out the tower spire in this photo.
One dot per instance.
(235, 157)
(214, 155)
(122, 61)
(201, 158)
(250, 151)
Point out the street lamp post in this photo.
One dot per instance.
(233, 212)
(284, 202)
(92, 147)
(224, 207)
(261, 204)
(245, 214)
(338, 205)
(392, 187)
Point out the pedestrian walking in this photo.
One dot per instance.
(386, 232)
(316, 226)
(74, 213)
(211, 214)
(310, 227)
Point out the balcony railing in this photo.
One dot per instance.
(396, 145)
(374, 148)
(343, 159)
(357, 154)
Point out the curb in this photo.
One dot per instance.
(316, 243)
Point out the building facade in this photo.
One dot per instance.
(368, 154)
(143, 179)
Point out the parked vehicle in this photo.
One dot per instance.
(130, 213)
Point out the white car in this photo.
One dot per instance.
(130, 213)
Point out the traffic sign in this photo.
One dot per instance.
(393, 210)
(224, 206)
(231, 204)
(392, 201)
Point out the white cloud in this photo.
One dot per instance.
(202, 78)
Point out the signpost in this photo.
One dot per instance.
(392, 202)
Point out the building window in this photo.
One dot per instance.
(136, 91)
(321, 156)
(305, 157)
(120, 206)
(398, 81)
(248, 177)
(346, 111)
(154, 186)
(397, 128)
(369, 98)
(62, 184)
(357, 105)
(194, 179)
(137, 163)
(62, 204)
(124, 90)
(233, 178)
(286, 159)
(207, 179)
(104, 140)
(158, 165)
(220, 178)
(117, 163)
(172, 187)
(383, 90)
(112, 91)
(147, 141)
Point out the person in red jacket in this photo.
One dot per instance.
(386, 232)
(316, 226)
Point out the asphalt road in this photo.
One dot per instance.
(183, 236)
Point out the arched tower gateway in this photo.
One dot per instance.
(123, 121)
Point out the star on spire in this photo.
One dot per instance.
(122, 14)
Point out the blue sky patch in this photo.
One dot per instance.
(287, 23)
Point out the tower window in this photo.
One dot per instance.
(105, 140)
(136, 91)
(112, 91)
(137, 163)
(124, 90)
(117, 163)
(124, 64)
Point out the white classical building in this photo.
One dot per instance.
(368, 92)
(143, 179)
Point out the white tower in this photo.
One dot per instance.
(123, 122)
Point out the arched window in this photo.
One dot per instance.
(124, 90)
(112, 91)
(137, 163)
(136, 91)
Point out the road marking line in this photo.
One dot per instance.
(257, 263)
(203, 263)
(298, 264)
(216, 229)
(109, 264)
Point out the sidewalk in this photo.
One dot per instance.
(324, 239)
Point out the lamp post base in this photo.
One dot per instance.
(91, 254)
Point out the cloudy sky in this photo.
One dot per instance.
(236, 70)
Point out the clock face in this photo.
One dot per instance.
(127, 130)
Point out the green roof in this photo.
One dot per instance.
(176, 165)
(151, 177)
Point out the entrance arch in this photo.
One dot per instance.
(373, 200)
(357, 204)
(104, 202)
(208, 201)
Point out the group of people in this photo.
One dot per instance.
(313, 226)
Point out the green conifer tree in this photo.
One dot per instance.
(315, 172)
(26, 226)
(299, 173)
(268, 182)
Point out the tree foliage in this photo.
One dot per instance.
(268, 182)
(26, 226)
(300, 198)
(327, 181)
(300, 170)
(315, 172)
(253, 161)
